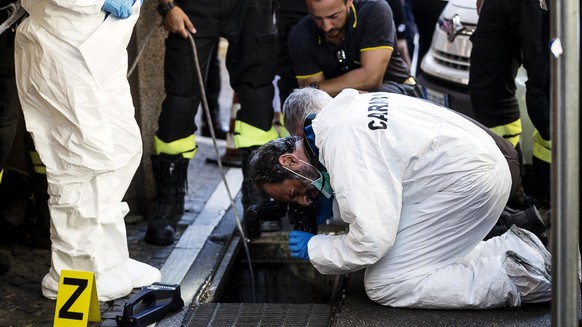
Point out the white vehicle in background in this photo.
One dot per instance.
(445, 67)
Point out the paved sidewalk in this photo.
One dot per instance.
(22, 304)
(21, 300)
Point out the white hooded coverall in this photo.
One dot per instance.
(420, 187)
(71, 66)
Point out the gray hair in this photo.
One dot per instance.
(300, 103)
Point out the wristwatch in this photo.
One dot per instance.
(164, 8)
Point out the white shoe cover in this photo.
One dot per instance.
(50, 285)
(111, 285)
(142, 274)
(538, 250)
(533, 283)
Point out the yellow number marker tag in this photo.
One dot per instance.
(77, 302)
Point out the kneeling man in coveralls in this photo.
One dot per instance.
(420, 187)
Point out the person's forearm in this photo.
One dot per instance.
(175, 20)
(358, 79)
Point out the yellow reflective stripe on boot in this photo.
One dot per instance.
(510, 132)
(1, 174)
(542, 149)
(246, 136)
(186, 147)
(39, 167)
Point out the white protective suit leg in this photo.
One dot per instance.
(526, 261)
(78, 107)
(507, 270)
(426, 268)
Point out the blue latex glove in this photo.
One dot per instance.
(325, 210)
(298, 244)
(118, 8)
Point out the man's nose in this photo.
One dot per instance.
(326, 25)
(304, 201)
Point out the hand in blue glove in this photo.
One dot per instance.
(118, 8)
(298, 244)
(325, 210)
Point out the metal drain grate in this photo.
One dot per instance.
(260, 314)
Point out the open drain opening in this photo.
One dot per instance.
(288, 292)
(278, 277)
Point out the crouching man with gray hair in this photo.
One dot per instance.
(420, 187)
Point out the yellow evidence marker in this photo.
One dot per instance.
(77, 302)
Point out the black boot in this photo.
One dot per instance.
(182, 191)
(219, 131)
(529, 219)
(170, 173)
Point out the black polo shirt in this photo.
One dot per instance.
(369, 25)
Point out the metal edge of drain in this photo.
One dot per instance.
(213, 287)
(195, 279)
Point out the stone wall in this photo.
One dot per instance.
(147, 85)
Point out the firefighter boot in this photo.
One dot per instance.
(219, 131)
(529, 219)
(251, 196)
(170, 172)
(182, 190)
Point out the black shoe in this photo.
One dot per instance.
(529, 219)
(161, 232)
(543, 206)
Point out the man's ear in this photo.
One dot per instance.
(287, 160)
(349, 4)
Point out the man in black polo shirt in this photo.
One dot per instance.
(349, 43)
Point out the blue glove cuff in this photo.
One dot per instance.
(118, 8)
(298, 241)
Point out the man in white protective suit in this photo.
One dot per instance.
(71, 66)
(420, 187)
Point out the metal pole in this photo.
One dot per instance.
(564, 106)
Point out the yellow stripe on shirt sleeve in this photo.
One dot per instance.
(380, 47)
(309, 76)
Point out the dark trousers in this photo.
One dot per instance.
(213, 86)
(509, 34)
(248, 27)
(426, 14)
